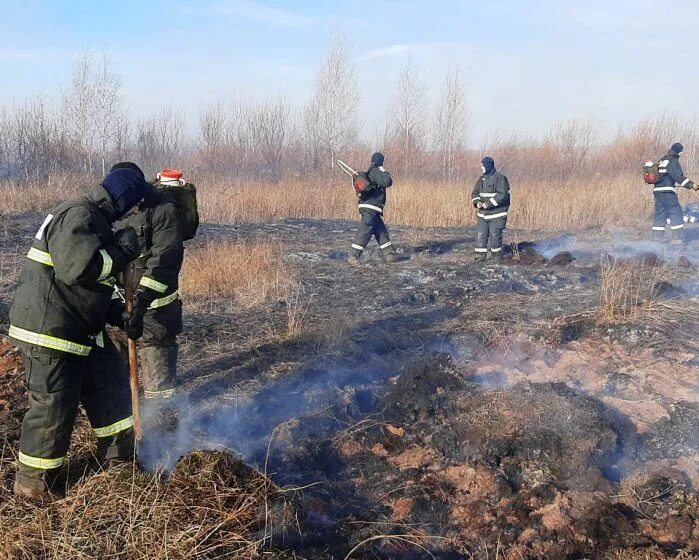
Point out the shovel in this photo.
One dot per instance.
(133, 356)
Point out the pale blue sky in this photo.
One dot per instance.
(526, 64)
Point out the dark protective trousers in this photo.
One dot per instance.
(58, 384)
(371, 224)
(489, 235)
(159, 350)
(668, 213)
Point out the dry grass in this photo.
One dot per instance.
(212, 506)
(565, 205)
(247, 273)
(628, 288)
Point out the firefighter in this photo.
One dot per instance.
(64, 298)
(371, 205)
(491, 199)
(668, 212)
(157, 312)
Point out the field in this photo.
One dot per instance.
(545, 408)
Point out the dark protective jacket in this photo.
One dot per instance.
(66, 287)
(159, 231)
(671, 174)
(374, 199)
(494, 190)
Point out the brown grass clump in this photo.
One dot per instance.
(213, 506)
(248, 273)
(629, 288)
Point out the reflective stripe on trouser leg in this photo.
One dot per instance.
(496, 227)
(106, 397)
(482, 232)
(382, 236)
(54, 395)
(365, 231)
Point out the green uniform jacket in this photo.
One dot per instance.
(493, 190)
(162, 250)
(66, 287)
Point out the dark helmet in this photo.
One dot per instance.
(377, 159)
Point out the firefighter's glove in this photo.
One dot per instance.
(133, 322)
(127, 240)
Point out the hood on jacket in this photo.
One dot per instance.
(488, 165)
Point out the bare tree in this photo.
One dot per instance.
(571, 142)
(158, 138)
(409, 119)
(107, 111)
(78, 106)
(330, 119)
(452, 123)
(213, 134)
(271, 131)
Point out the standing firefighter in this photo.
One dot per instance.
(491, 199)
(371, 204)
(64, 298)
(157, 312)
(668, 211)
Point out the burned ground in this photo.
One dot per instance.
(427, 407)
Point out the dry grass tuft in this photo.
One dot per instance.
(629, 288)
(248, 273)
(213, 506)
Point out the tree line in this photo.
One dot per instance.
(89, 128)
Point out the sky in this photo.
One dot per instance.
(526, 64)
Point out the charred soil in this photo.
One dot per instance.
(430, 407)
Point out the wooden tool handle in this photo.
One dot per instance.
(133, 356)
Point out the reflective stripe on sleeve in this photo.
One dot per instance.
(683, 183)
(153, 284)
(493, 202)
(491, 216)
(372, 207)
(358, 247)
(49, 341)
(475, 199)
(39, 463)
(107, 264)
(40, 256)
(162, 302)
(164, 394)
(115, 428)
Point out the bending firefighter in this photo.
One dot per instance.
(64, 298)
(371, 205)
(491, 199)
(157, 312)
(668, 212)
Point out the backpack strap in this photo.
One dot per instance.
(148, 233)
